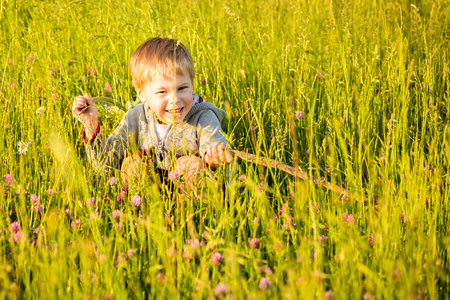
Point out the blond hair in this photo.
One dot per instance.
(159, 55)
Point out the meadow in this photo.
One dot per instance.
(356, 92)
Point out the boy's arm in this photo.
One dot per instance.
(102, 152)
(212, 143)
(109, 153)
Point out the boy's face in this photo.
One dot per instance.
(169, 97)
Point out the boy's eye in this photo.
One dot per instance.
(182, 88)
(161, 92)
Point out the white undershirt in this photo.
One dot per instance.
(161, 130)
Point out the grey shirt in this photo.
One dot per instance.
(199, 131)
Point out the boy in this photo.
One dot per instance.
(173, 124)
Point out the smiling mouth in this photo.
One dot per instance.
(175, 112)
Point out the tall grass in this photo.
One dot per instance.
(372, 81)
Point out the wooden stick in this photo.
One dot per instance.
(271, 163)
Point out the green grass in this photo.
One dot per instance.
(372, 79)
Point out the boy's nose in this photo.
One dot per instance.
(175, 99)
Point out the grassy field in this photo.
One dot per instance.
(353, 91)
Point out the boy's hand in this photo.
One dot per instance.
(218, 155)
(85, 111)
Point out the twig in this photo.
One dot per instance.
(110, 101)
(267, 162)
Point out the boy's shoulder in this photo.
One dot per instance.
(134, 116)
(139, 108)
(205, 109)
(135, 111)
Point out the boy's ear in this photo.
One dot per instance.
(140, 94)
